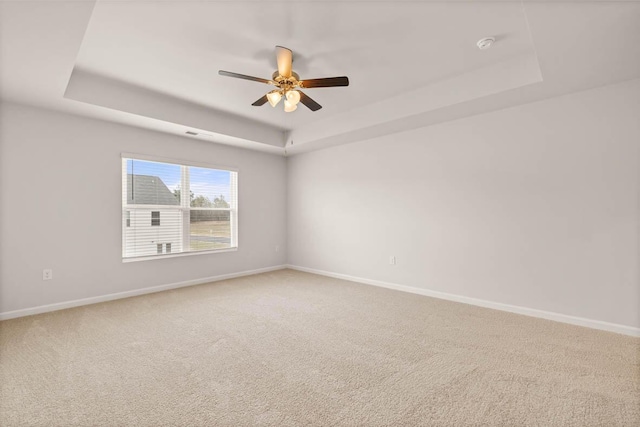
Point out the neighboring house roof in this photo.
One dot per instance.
(149, 190)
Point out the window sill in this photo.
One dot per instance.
(180, 254)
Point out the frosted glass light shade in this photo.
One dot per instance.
(293, 96)
(289, 107)
(274, 97)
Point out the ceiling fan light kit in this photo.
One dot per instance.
(288, 83)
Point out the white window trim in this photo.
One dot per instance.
(184, 206)
(177, 255)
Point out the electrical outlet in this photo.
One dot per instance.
(392, 260)
(47, 274)
(277, 248)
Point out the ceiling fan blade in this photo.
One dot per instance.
(284, 57)
(260, 101)
(245, 77)
(308, 102)
(326, 82)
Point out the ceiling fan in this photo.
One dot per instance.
(288, 84)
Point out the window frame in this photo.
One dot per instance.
(155, 219)
(184, 207)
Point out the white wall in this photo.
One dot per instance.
(534, 206)
(60, 201)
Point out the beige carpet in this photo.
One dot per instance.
(295, 349)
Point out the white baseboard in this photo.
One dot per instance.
(109, 297)
(558, 317)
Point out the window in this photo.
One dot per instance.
(181, 208)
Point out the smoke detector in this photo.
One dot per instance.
(485, 43)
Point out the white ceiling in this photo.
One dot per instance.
(408, 62)
(385, 48)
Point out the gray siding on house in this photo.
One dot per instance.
(149, 190)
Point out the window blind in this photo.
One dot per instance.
(173, 208)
